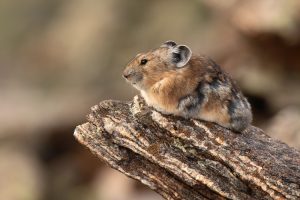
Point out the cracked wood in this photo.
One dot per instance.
(190, 159)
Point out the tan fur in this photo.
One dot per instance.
(164, 86)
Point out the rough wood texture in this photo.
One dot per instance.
(190, 159)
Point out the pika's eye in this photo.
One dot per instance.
(144, 61)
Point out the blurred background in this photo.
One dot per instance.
(58, 58)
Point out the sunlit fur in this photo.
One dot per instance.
(200, 89)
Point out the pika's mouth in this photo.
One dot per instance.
(135, 79)
(129, 80)
(132, 82)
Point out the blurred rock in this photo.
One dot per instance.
(21, 174)
(26, 112)
(285, 126)
(269, 17)
(113, 185)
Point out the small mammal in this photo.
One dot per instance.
(175, 81)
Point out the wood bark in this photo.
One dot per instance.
(187, 158)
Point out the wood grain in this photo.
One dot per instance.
(190, 159)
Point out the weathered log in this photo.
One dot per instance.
(187, 158)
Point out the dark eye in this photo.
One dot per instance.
(144, 61)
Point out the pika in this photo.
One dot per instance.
(175, 81)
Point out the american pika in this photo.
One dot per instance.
(175, 81)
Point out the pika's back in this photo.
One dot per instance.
(174, 81)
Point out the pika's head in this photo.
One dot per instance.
(148, 68)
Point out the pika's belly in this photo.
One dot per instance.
(161, 104)
(213, 112)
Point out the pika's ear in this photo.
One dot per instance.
(181, 55)
(169, 43)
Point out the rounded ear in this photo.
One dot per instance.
(181, 55)
(169, 43)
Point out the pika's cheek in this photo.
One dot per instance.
(136, 78)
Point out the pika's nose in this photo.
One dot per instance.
(127, 73)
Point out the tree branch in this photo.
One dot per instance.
(190, 159)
